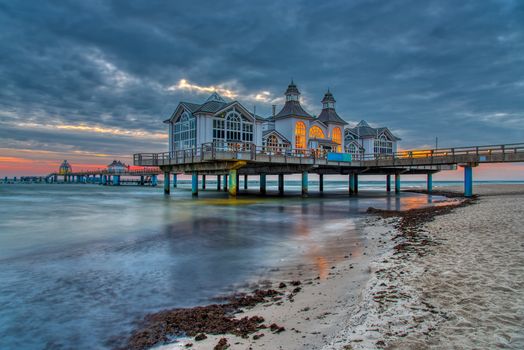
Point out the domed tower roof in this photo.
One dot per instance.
(328, 114)
(292, 107)
(65, 168)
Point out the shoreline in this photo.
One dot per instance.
(384, 307)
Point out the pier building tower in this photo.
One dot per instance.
(65, 168)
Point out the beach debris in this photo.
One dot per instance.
(276, 328)
(160, 327)
(200, 337)
(282, 285)
(295, 283)
(258, 336)
(222, 344)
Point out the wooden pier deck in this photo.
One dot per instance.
(231, 160)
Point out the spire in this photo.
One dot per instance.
(292, 93)
(328, 101)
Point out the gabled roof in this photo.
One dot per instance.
(329, 115)
(363, 129)
(279, 135)
(212, 106)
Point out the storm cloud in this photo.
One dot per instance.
(423, 68)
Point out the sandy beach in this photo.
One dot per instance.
(451, 282)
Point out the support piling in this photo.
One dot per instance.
(167, 176)
(194, 184)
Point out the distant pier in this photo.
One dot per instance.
(138, 177)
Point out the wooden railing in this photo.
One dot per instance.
(249, 151)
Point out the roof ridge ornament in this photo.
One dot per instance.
(216, 97)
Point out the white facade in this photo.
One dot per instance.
(293, 129)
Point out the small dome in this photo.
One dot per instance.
(65, 168)
(117, 166)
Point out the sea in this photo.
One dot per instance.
(82, 264)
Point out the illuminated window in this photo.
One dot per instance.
(337, 137)
(272, 142)
(316, 133)
(300, 135)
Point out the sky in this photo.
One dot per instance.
(92, 81)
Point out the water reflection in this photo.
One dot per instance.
(111, 255)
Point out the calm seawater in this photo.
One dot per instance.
(80, 264)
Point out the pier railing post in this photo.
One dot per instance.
(304, 184)
(233, 182)
(321, 182)
(263, 183)
(397, 183)
(167, 186)
(430, 183)
(388, 183)
(194, 184)
(281, 184)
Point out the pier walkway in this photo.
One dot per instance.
(233, 159)
(142, 177)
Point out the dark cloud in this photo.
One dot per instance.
(425, 68)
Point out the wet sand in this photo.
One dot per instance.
(453, 282)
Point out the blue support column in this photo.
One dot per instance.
(468, 181)
(167, 186)
(175, 178)
(388, 183)
(194, 184)
(321, 182)
(351, 183)
(103, 179)
(397, 183)
(245, 182)
(154, 180)
(218, 182)
(225, 183)
(304, 183)
(233, 183)
(116, 180)
(55, 178)
(430, 183)
(281, 184)
(263, 183)
(203, 182)
(355, 183)
(142, 180)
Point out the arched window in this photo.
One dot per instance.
(337, 137)
(300, 135)
(316, 133)
(233, 127)
(184, 132)
(383, 145)
(272, 142)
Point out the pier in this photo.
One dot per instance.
(232, 160)
(139, 177)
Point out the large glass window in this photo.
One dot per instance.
(383, 146)
(337, 137)
(232, 128)
(300, 135)
(316, 133)
(184, 132)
